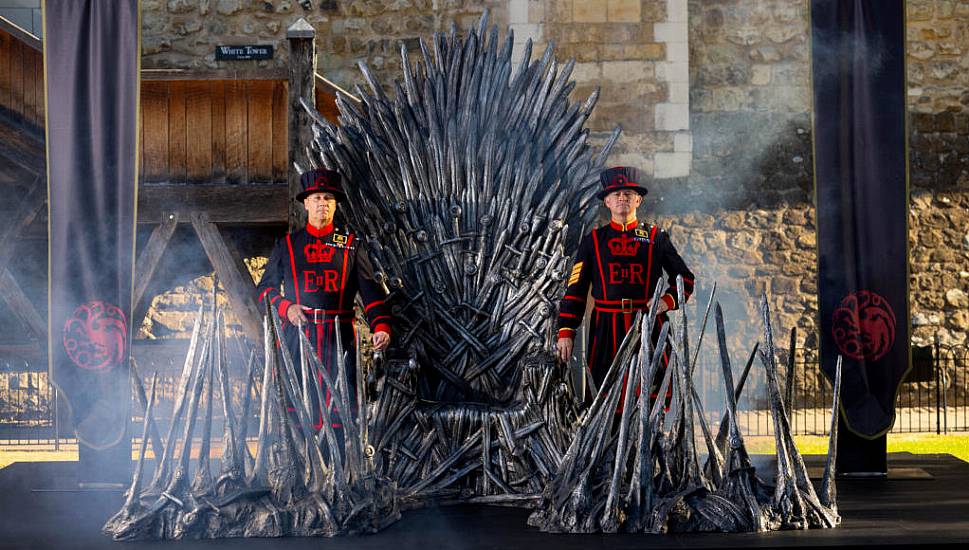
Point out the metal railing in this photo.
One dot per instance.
(933, 399)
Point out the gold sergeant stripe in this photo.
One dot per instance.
(576, 271)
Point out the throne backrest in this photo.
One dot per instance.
(470, 181)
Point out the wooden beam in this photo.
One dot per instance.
(20, 144)
(302, 86)
(237, 204)
(10, 290)
(27, 210)
(20, 305)
(233, 274)
(214, 74)
(148, 261)
(20, 34)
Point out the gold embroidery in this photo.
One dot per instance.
(576, 271)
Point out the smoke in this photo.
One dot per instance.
(836, 52)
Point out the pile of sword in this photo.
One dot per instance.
(468, 184)
(298, 482)
(642, 469)
(473, 452)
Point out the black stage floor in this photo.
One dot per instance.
(875, 513)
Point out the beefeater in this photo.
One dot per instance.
(313, 276)
(622, 262)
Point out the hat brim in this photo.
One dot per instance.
(641, 190)
(340, 196)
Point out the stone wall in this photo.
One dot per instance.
(938, 98)
(743, 215)
(184, 33)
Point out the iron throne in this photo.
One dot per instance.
(469, 184)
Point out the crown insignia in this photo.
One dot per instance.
(318, 252)
(623, 246)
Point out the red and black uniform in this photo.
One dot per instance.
(323, 269)
(623, 264)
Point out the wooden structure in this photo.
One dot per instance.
(23, 177)
(216, 152)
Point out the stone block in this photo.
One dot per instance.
(524, 31)
(765, 54)
(678, 52)
(671, 32)
(588, 11)
(584, 52)
(672, 165)
(781, 35)
(673, 116)
(628, 71)
(181, 6)
(623, 11)
(729, 99)
(919, 10)
(653, 10)
(679, 92)
(920, 50)
(744, 36)
(807, 240)
(228, 7)
(606, 116)
(673, 72)
(956, 298)
(611, 52)
(559, 11)
(632, 159)
(587, 72)
(683, 142)
(677, 11)
(536, 11)
(518, 11)
(760, 74)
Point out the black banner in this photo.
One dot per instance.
(91, 66)
(861, 185)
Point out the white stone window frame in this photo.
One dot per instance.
(672, 115)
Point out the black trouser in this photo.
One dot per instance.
(322, 338)
(607, 328)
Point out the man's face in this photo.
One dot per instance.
(622, 203)
(320, 208)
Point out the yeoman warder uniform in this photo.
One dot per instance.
(322, 270)
(622, 263)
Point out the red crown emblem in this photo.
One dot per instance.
(318, 253)
(623, 246)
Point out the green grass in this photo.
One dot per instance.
(953, 444)
(956, 445)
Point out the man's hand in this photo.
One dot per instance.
(294, 314)
(662, 307)
(564, 346)
(380, 340)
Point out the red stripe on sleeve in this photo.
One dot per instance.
(292, 265)
(602, 275)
